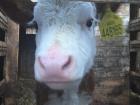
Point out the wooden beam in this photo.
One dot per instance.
(114, 1)
(21, 11)
(117, 1)
(11, 65)
(104, 1)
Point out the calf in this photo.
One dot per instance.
(65, 45)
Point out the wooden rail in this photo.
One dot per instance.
(135, 43)
(134, 24)
(2, 44)
(136, 74)
(134, 46)
(3, 20)
(3, 48)
(104, 1)
(136, 96)
(115, 1)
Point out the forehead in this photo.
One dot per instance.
(69, 10)
(78, 7)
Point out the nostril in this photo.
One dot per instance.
(41, 63)
(60, 63)
(67, 63)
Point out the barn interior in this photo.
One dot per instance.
(117, 65)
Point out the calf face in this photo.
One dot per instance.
(65, 42)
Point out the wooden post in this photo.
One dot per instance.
(134, 54)
(11, 65)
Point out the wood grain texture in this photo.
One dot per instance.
(11, 65)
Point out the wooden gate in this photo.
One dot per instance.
(135, 54)
(9, 39)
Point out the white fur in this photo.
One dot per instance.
(65, 23)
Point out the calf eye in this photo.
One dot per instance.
(89, 23)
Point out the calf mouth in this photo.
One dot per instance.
(58, 85)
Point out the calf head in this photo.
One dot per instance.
(65, 42)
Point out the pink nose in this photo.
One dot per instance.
(55, 63)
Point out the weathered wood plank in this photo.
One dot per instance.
(3, 16)
(134, 25)
(3, 48)
(12, 51)
(3, 25)
(3, 52)
(135, 74)
(134, 98)
(3, 44)
(135, 42)
(134, 82)
(137, 20)
(3, 20)
(136, 95)
(11, 65)
(135, 45)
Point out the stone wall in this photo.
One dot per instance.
(111, 72)
(112, 67)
